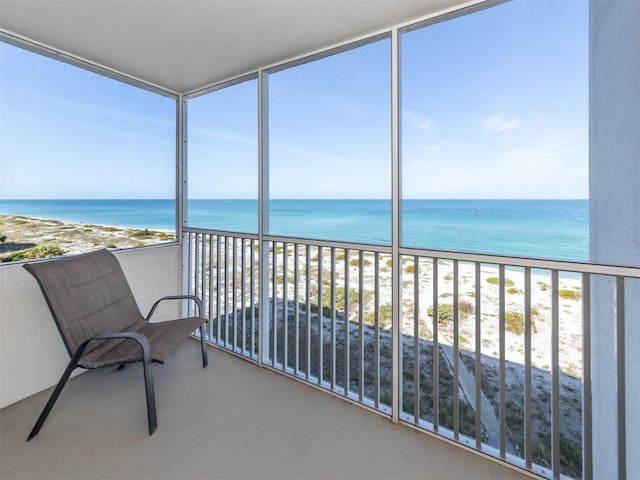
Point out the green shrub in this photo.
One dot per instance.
(514, 323)
(354, 298)
(445, 313)
(141, 233)
(44, 251)
(385, 313)
(355, 262)
(496, 281)
(409, 269)
(569, 294)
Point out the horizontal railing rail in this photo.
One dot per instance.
(495, 352)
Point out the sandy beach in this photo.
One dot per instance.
(22, 234)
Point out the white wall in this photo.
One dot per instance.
(614, 192)
(32, 355)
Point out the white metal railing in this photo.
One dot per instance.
(510, 375)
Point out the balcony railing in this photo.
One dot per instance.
(491, 352)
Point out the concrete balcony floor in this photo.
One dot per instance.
(230, 420)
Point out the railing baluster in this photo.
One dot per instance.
(416, 341)
(226, 291)
(376, 334)
(196, 268)
(320, 319)
(211, 289)
(435, 351)
(555, 375)
(501, 328)
(243, 300)
(308, 308)
(347, 323)
(456, 353)
(252, 295)
(274, 302)
(333, 320)
(621, 383)
(219, 297)
(478, 359)
(528, 392)
(361, 328)
(285, 305)
(296, 309)
(234, 291)
(587, 412)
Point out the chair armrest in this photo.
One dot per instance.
(178, 297)
(138, 337)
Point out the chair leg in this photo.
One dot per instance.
(151, 398)
(56, 393)
(205, 359)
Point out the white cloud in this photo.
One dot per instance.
(416, 121)
(500, 123)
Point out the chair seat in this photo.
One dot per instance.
(164, 337)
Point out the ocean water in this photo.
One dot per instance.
(554, 229)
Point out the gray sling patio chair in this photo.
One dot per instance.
(100, 322)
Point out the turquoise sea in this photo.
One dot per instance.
(554, 229)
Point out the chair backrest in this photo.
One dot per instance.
(87, 294)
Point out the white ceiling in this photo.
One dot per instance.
(182, 45)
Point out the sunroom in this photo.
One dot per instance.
(301, 152)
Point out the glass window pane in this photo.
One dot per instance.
(223, 159)
(495, 131)
(330, 147)
(82, 148)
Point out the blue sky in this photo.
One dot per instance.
(494, 105)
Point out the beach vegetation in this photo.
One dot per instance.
(44, 251)
(140, 233)
(465, 308)
(543, 286)
(340, 297)
(385, 313)
(409, 269)
(445, 311)
(514, 291)
(355, 262)
(567, 294)
(3, 238)
(496, 281)
(514, 322)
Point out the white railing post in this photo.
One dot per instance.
(263, 215)
(396, 178)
